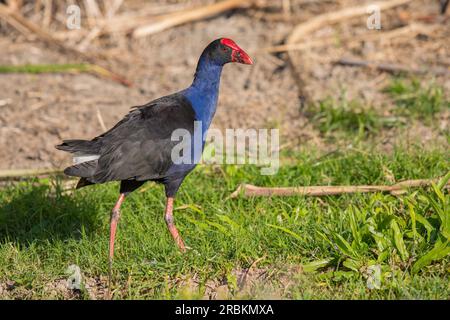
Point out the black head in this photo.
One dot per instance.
(225, 50)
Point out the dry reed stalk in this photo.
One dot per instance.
(248, 190)
(16, 19)
(393, 67)
(178, 18)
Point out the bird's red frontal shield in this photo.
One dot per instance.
(237, 55)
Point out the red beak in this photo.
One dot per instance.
(241, 56)
(237, 55)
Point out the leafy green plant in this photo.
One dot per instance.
(441, 206)
(380, 235)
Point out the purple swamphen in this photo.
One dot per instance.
(139, 147)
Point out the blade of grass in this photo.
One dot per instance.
(292, 233)
(315, 265)
(439, 251)
(398, 241)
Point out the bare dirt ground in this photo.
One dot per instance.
(38, 111)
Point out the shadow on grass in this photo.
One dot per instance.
(34, 213)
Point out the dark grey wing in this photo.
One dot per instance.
(139, 147)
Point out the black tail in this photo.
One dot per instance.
(83, 182)
(83, 170)
(81, 146)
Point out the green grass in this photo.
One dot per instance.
(343, 119)
(306, 248)
(339, 119)
(412, 98)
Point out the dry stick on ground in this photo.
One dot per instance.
(48, 12)
(287, 9)
(393, 67)
(15, 19)
(15, 5)
(248, 190)
(15, 24)
(175, 19)
(112, 6)
(409, 31)
(126, 22)
(100, 22)
(100, 119)
(302, 30)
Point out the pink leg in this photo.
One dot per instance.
(171, 225)
(115, 215)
